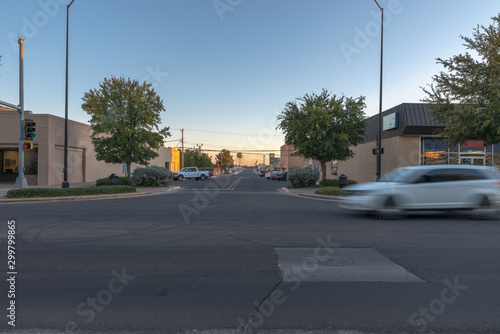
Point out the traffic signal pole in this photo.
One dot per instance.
(21, 181)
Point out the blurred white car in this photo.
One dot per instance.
(429, 187)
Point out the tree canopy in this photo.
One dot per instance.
(466, 95)
(324, 127)
(224, 159)
(125, 118)
(195, 157)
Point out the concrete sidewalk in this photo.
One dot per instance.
(140, 192)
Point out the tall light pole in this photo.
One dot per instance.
(65, 183)
(379, 150)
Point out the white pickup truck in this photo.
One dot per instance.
(191, 173)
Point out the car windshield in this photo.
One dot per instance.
(398, 175)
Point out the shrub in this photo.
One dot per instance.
(122, 181)
(58, 192)
(302, 177)
(335, 182)
(332, 191)
(153, 176)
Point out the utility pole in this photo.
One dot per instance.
(379, 139)
(65, 183)
(182, 151)
(21, 181)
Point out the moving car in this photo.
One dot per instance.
(429, 187)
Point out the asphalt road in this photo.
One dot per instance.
(202, 260)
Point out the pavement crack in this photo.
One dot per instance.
(246, 240)
(257, 309)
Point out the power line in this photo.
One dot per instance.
(234, 133)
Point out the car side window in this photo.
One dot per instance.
(450, 175)
(468, 175)
(440, 175)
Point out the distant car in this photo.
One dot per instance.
(429, 187)
(281, 176)
(262, 173)
(271, 175)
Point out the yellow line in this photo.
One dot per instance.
(235, 183)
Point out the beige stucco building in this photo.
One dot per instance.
(44, 164)
(290, 159)
(410, 137)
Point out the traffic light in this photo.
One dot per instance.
(377, 151)
(29, 129)
(28, 146)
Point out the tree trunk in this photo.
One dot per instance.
(129, 175)
(323, 171)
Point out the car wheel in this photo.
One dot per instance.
(485, 211)
(180, 177)
(389, 211)
(202, 177)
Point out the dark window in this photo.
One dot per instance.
(468, 174)
(450, 175)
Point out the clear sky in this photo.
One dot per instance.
(226, 68)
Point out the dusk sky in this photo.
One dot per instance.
(226, 68)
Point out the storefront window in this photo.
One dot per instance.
(335, 168)
(10, 162)
(434, 151)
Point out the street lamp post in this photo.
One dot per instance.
(65, 183)
(379, 137)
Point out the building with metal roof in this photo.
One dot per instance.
(410, 137)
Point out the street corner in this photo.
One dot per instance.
(309, 193)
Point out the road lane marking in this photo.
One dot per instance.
(235, 183)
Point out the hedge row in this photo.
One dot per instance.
(152, 176)
(335, 183)
(57, 192)
(332, 191)
(122, 181)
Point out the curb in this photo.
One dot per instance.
(311, 196)
(86, 197)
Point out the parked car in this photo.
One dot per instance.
(281, 176)
(262, 173)
(190, 173)
(430, 187)
(271, 175)
(209, 170)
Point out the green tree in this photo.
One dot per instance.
(195, 157)
(124, 118)
(324, 127)
(224, 159)
(466, 96)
